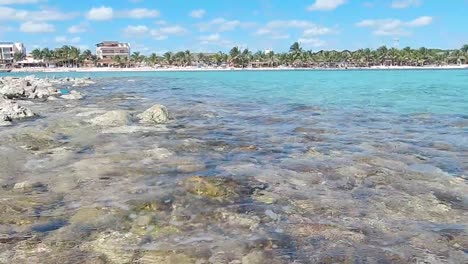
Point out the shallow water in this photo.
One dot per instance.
(300, 167)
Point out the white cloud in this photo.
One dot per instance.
(165, 32)
(139, 30)
(326, 5)
(8, 13)
(315, 30)
(312, 42)
(161, 22)
(158, 34)
(18, 2)
(80, 28)
(173, 30)
(280, 36)
(198, 13)
(399, 4)
(210, 38)
(139, 13)
(36, 27)
(280, 29)
(394, 27)
(215, 39)
(64, 40)
(420, 21)
(221, 25)
(100, 13)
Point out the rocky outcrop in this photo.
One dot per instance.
(10, 110)
(26, 88)
(157, 114)
(112, 119)
(30, 87)
(73, 95)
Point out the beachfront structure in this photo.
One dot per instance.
(8, 51)
(111, 49)
(29, 61)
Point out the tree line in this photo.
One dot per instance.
(69, 56)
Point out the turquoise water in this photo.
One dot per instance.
(402, 91)
(306, 167)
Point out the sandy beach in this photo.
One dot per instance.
(177, 69)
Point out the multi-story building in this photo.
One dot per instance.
(8, 51)
(111, 49)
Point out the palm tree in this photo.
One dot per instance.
(118, 60)
(37, 54)
(295, 50)
(235, 54)
(245, 58)
(47, 55)
(153, 59)
(137, 58)
(87, 54)
(220, 58)
(464, 48)
(188, 58)
(168, 57)
(18, 56)
(271, 59)
(201, 58)
(74, 55)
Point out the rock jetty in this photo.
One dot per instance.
(14, 89)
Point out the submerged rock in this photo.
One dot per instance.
(36, 140)
(157, 114)
(73, 95)
(115, 247)
(112, 119)
(166, 257)
(212, 187)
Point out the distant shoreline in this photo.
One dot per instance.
(186, 69)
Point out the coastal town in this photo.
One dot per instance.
(115, 55)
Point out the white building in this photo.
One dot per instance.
(111, 49)
(8, 51)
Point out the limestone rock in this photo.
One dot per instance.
(73, 95)
(10, 110)
(112, 119)
(115, 247)
(212, 187)
(157, 114)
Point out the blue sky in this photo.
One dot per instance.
(213, 25)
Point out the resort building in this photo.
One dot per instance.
(8, 51)
(111, 49)
(29, 61)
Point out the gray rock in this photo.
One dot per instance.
(157, 114)
(27, 87)
(12, 92)
(256, 257)
(112, 119)
(73, 95)
(10, 110)
(144, 220)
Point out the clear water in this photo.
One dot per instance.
(323, 167)
(402, 91)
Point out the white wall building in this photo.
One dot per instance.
(8, 51)
(110, 49)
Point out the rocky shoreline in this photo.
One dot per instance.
(115, 178)
(13, 90)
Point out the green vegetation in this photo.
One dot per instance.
(70, 56)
